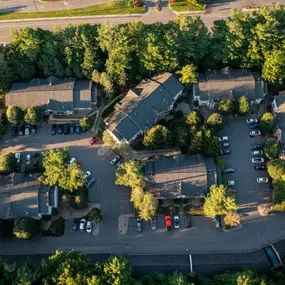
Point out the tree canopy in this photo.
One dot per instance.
(271, 150)
(267, 123)
(215, 122)
(32, 116)
(157, 137)
(25, 228)
(243, 105)
(225, 106)
(14, 114)
(188, 74)
(8, 163)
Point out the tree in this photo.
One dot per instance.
(267, 123)
(177, 279)
(25, 228)
(188, 74)
(65, 267)
(157, 137)
(243, 105)
(181, 136)
(6, 77)
(108, 140)
(8, 163)
(219, 201)
(271, 150)
(232, 219)
(225, 106)
(215, 122)
(32, 116)
(276, 169)
(58, 171)
(130, 174)
(137, 195)
(3, 129)
(117, 271)
(79, 200)
(85, 123)
(95, 215)
(148, 207)
(103, 79)
(194, 120)
(14, 114)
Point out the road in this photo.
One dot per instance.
(218, 9)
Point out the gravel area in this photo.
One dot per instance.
(69, 213)
(123, 224)
(96, 229)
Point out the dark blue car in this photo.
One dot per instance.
(253, 126)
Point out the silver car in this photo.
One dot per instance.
(262, 180)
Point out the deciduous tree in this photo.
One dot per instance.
(14, 114)
(32, 115)
(148, 207)
(232, 219)
(225, 106)
(271, 150)
(25, 228)
(194, 120)
(276, 169)
(243, 105)
(157, 137)
(95, 215)
(215, 122)
(188, 74)
(267, 123)
(8, 163)
(219, 201)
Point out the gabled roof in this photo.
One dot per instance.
(229, 83)
(173, 176)
(142, 105)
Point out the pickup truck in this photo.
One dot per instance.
(168, 222)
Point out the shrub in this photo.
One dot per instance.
(232, 219)
(79, 200)
(95, 215)
(279, 206)
(25, 228)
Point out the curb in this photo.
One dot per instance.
(187, 12)
(69, 18)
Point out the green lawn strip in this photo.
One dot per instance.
(184, 5)
(96, 10)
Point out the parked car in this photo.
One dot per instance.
(255, 133)
(262, 180)
(82, 225)
(36, 157)
(34, 130)
(168, 222)
(229, 170)
(78, 128)
(217, 221)
(21, 130)
(250, 121)
(18, 157)
(231, 183)
(87, 175)
(272, 256)
(257, 160)
(72, 129)
(60, 129)
(255, 146)
(223, 139)
(139, 225)
(89, 227)
(115, 160)
(187, 220)
(14, 130)
(225, 144)
(176, 222)
(93, 140)
(153, 223)
(90, 181)
(75, 224)
(253, 126)
(53, 129)
(66, 129)
(260, 167)
(225, 151)
(232, 190)
(27, 130)
(257, 153)
(28, 159)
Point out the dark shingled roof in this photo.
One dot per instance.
(142, 105)
(229, 83)
(174, 176)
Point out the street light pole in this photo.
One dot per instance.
(36, 6)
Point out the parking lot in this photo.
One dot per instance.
(249, 193)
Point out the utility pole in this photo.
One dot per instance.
(36, 6)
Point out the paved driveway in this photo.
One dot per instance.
(249, 192)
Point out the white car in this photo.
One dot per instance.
(257, 152)
(89, 227)
(262, 180)
(18, 156)
(250, 121)
(115, 160)
(254, 133)
(176, 222)
(82, 225)
(231, 183)
(73, 159)
(28, 159)
(87, 175)
(223, 139)
(257, 160)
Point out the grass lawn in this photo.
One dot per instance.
(184, 6)
(96, 10)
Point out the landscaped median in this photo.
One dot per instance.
(109, 8)
(182, 6)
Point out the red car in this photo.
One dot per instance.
(168, 222)
(93, 140)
